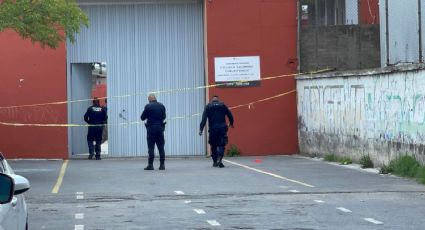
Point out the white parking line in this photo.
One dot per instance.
(213, 223)
(79, 227)
(270, 174)
(199, 211)
(371, 220)
(179, 192)
(187, 201)
(79, 216)
(80, 197)
(79, 193)
(343, 209)
(294, 191)
(319, 201)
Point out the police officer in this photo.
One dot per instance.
(216, 112)
(154, 113)
(96, 116)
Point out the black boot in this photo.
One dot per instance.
(215, 164)
(90, 156)
(220, 163)
(162, 164)
(150, 164)
(149, 167)
(214, 158)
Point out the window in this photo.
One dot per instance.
(329, 12)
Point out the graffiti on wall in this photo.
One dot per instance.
(386, 107)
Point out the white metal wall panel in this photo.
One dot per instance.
(352, 12)
(423, 28)
(383, 24)
(80, 89)
(147, 47)
(403, 27)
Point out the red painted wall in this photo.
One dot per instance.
(265, 28)
(30, 74)
(369, 11)
(99, 91)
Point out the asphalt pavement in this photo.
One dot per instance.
(281, 192)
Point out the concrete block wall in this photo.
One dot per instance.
(380, 112)
(343, 47)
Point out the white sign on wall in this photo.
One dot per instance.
(236, 70)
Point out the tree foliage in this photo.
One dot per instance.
(48, 22)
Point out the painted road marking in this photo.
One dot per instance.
(270, 174)
(179, 192)
(371, 220)
(343, 209)
(79, 216)
(79, 195)
(283, 186)
(319, 201)
(294, 191)
(199, 211)
(213, 223)
(60, 178)
(31, 170)
(79, 227)
(187, 201)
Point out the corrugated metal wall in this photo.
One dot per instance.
(403, 31)
(147, 47)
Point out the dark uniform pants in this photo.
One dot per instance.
(155, 135)
(218, 140)
(94, 134)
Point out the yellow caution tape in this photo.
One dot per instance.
(140, 122)
(161, 91)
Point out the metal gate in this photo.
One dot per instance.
(147, 47)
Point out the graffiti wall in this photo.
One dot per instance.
(380, 113)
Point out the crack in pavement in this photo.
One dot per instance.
(146, 198)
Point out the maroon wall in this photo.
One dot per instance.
(369, 11)
(30, 74)
(265, 28)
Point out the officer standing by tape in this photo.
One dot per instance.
(96, 116)
(154, 113)
(216, 112)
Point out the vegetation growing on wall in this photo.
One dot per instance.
(405, 166)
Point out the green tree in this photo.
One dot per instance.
(48, 22)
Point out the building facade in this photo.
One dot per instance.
(169, 44)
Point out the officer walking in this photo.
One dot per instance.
(96, 116)
(216, 112)
(154, 113)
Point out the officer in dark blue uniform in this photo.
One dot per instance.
(216, 112)
(154, 113)
(95, 116)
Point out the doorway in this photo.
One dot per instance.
(86, 81)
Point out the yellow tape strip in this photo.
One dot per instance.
(160, 91)
(140, 122)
